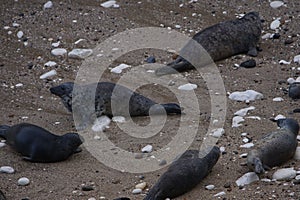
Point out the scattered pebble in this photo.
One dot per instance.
(279, 117)
(275, 36)
(220, 194)
(276, 4)
(48, 5)
(162, 162)
(136, 191)
(266, 36)
(266, 180)
(222, 149)
(48, 74)
(284, 174)
(2, 144)
(248, 95)
(151, 59)
(87, 188)
(80, 53)
(177, 26)
(109, 4)
(284, 62)
(247, 145)
(147, 149)
(297, 59)
(20, 34)
(245, 140)
(55, 44)
(58, 51)
(7, 169)
(23, 181)
(217, 133)
(243, 112)
(119, 119)
(118, 69)
(209, 187)
(50, 64)
(297, 154)
(247, 178)
(15, 24)
(19, 85)
(141, 186)
(244, 155)
(188, 86)
(248, 63)
(276, 99)
(236, 120)
(275, 24)
(101, 123)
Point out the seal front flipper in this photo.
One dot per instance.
(180, 65)
(259, 168)
(172, 108)
(252, 52)
(3, 131)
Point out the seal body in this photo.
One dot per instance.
(274, 148)
(183, 174)
(112, 99)
(36, 144)
(294, 90)
(220, 41)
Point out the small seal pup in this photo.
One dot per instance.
(36, 144)
(184, 174)
(220, 41)
(108, 93)
(294, 90)
(274, 148)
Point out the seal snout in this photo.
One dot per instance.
(63, 89)
(290, 124)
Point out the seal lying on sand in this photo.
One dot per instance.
(274, 148)
(220, 41)
(110, 94)
(39, 145)
(183, 174)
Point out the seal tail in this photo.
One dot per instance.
(179, 65)
(3, 130)
(172, 108)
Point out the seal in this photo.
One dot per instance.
(184, 174)
(294, 90)
(220, 41)
(36, 144)
(274, 148)
(109, 94)
(2, 197)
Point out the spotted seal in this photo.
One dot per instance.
(108, 94)
(36, 144)
(220, 41)
(184, 174)
(274, 148)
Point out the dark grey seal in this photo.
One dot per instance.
(2, 196)
(36, 144)
(294, 90)
(108, 94)
(274, 148)
(183, 174)
(220, 41)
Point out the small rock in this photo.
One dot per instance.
(220, 194)
(248, 63)
(284, 62)
(266, 180)
(80, 53)
(101, 123)
(266, 36)
(243, 112)
(247, 145)
(188, 86)
(276, 4)
(48, 74)
(275, 24)
(87, 188)
(177, 26)
(23, 181)
(297, 154)
(209, 187)
(227, 185)
(48, 5)
(288, 41)
(284, 174)
(297, 177)
(118, 69)
(294, 90)
(297, 59)
(136, 191)
(55, 44)
(247, 178)
(217, 133)
(162, 162)
(7, 169)
(150, 59)
(141, 186)
(19, 85)
(2, 144)
(277, 99)
(119, 119)
(50, 64)
(109, 4)
(58, 51)
(248, 95)
(20, 34)
(276, 36)
(279, 117)
(147, 149)
(236, 120)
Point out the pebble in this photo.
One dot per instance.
(119, 119)
(236, 120)
(248, 63)
(58, 51)
(266, 36)
(246, 140)
(275, 36)
(162, 162)
(247, 145)
(101, 123)
(244, 155)
(80, 53)
(279, 117)
(15, 24)
(87, 188)
(141, 186)
(188, 86)
(266, 180)
(284, 174)
(291, 80)
(217, 133)
(297, 59)
(222, 149)
(118, 69)
(151, 59)
(7, 169)
(20, 34)
(246, 179)
(109, 4)
(209, 187)
(297, 154)
(177, 26)
(19, 85)
(284, 62)
(23, 181)
(48, 74)
(55, 44)
(147, 149)
(297, 177)
(48, 5)
(220, 194)
(277, 99)
(2, 144)
(276, 4)
(243, 112)
(136, 191)
(275, 24)
(248, 95)
(50, 64)
(288, 41)
(92, 198)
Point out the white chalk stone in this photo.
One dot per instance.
(118, 69)
(243, 112)
(80, 53)
(275, 24)
(247, 145)
(297, 59)
(266, 36)
(48, 74)
(2, 144)
(20, 34)
(217, 133)
(279, 117)
(277, 99)
(188, 86)
(141, 186)
(48, 5)
(297, 154)
(220, 194)
(23, 181)
(247, 178)
(50, 64)
(248, 95)
(284, 62)
(119, 119)
(284, 174)
(136, 191)
(209, 187)
(236, 121)
(276, 4)
(147, 149)
(58, 51)
(109, 4)
(7, 169)
(101, 124)
(291, 80)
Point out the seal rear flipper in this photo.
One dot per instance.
(3, 130)
(172, 108)
(174, 68)
(252, 52)
(259, 168)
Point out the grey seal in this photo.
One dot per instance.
(294, 90)
(36, 144)
(220, 41)
(184, 174)
(274, 148)
(108, 93)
